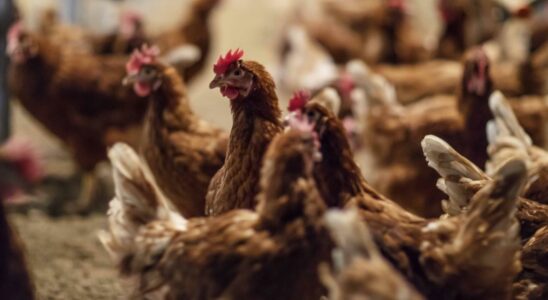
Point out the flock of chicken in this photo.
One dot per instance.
(335, 198)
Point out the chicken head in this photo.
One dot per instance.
(476, 72)
(231, 76)
(21, 46)
(143, 73)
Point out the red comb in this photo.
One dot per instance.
(14, 31)
(224, 62)
(146, 55)
(299, 100)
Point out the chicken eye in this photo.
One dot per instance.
(238, 73)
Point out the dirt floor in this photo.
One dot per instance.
(64, 253)
(66, 258)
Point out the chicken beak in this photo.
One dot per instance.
(218, 81)
(130, 79)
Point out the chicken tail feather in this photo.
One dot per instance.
(135, 204)
(458, 174)
(483, 253)
(507, 139)
(506, 123)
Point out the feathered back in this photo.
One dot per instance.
(360, 270)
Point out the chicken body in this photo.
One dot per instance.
(414, 82)
(194, 30)
(118, 42)
(360, 270)
(409, 241)
(256, 120)
(273, 253)
(182, 151)
(374, 31)
(393, 133)
(77, 97)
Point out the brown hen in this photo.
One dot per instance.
(393, 133)
(256, 120)
(182, 151)
(272, 253)
(77, 97)
(425, 251)
(360, 270)
(128, 36)
(194, 30)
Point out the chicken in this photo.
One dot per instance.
(393, 132)
(270, 253)
(182, 151)
(467, 23)
(129, 35)
(539, 26)
(535, 273)
(361, 272)
(414, 82)
(77, 97)
(417, 35)
(461, 179)
(337, 36)
(373, 30)
(507, 139)
(438, 264)
(305, 65)
(496, 254)
(19, 169)
(256, 120)
(194, 30)
(526, 78)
